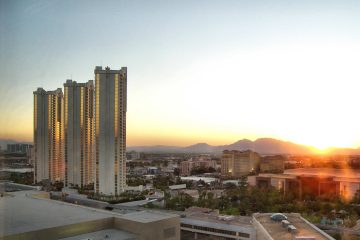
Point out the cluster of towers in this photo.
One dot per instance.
(80, 135)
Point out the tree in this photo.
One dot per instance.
(176, 172)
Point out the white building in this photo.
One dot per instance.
(48, 135)
(110, 130)
(79, 132)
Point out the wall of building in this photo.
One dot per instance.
(79, 132)
(64, 231)
(110, 130)
(261, 232)
(167, 229)
(48, 135)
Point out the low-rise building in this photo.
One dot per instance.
(153, 170)
(18, 147)
(312, 181)
(200, 222)
(187, 166)
(28, 215)
(197, 223)
(276, 230)
(191, 192)
(239, 163)
(133, 155)
(273, 164)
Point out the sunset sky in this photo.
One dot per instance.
(198, 71)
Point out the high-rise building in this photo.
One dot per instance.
(110, 130)
(48, 135)
(18, 147)
(236, 163)
(79, 132)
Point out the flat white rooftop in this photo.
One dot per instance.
(147, 216)
(22, 212)
(108, 234)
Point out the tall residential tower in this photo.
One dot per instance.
(110, 130)
(48, 135)
(79, 132)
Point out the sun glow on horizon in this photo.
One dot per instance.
(288, 71)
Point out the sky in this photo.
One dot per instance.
(198, 71)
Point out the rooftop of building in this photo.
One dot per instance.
(23, 212)
(325, 172)
(44, 92)
(343, 175)
(147, 216)
(108, 234)
(30, 210)
(196, 178)
(71, 83)
(278, 232)
(277, 175)
(208, 215)
(99, 69)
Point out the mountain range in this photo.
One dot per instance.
(261, 145)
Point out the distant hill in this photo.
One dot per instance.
(269, 146)
(261, 145)
(199, 148)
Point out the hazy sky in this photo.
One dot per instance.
(198, 71)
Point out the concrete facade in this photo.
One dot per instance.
(311, 181)
(110, 130)
(26, 215)
(79, 119)
(272, 164)
(272, 230)
(18, 147)
(187, 166)
(48, 135)
(236, 163)
(205, 222)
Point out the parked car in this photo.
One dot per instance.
(278, 217)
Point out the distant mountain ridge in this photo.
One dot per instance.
(261, 145)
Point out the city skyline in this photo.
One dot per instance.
(200, 72)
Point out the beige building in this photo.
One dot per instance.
(79, 132)
(33, 216)
(187, 166)
(237, 163)
(272, 164)
(48, 135)
(110, 130)
(311, 181)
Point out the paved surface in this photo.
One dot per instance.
(107, 234)
(278, 232)
(22, 213)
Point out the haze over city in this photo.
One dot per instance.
(197, 71)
